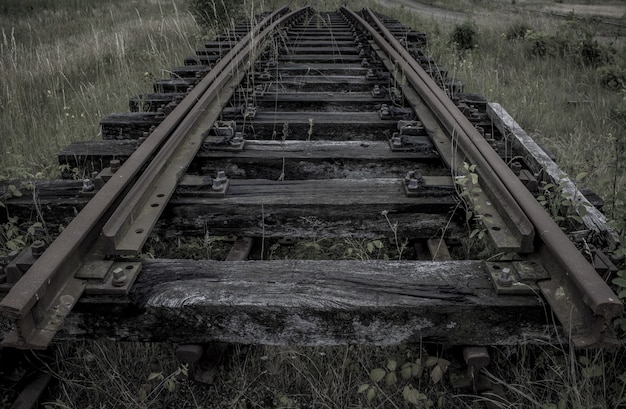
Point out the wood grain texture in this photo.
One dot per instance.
(541, 163)
(313, 303)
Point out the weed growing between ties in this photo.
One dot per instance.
(138, 375)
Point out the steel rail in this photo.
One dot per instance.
(450, 120)
(129, 226)
(39, 301)
(604, 305)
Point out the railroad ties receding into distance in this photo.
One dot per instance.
(307, 127)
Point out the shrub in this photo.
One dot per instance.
(593, 54)
(517, 31)
(575, 45)
(540, 44)
(612, 76)
(464, 36)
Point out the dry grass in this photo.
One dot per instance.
(121, 375)
(66, 66)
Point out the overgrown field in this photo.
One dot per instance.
(65, 64)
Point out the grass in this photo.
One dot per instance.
(560, 102)
(66, 64)
(105, 374)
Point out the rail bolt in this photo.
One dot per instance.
(217, 185)
(237, 140)
(385, 112)
(221, 176)
(516, 167)
(119, 278)
(87, 185)
(376, 91)
(505, 279)
(114, 164)
(37, 248)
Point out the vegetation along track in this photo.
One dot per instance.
(292, 135)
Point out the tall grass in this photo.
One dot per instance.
(558, 101)
(67, 64)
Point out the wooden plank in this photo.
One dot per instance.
(356, 119)
(260, 211)
(541, 163)
(312, 303)
(323, 42)
(336, 58)
(324, 149)
(313, 68)
(437, 191)
(176, 222)
(327, 49)
(259, 155)
(324, 97)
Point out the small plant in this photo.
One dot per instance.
(620, 280)
(158, 382)
(309, 132)
(400, 247)
(466, 185)
(407, 376)
(561, 204)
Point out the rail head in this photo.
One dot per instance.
(33, 302)
(38, 303)
(596, 301)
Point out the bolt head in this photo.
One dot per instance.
(37, 248)
(505, 279)
(119, 278)
(217, 185)
(114, 164)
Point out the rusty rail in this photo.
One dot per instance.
(119, 218)
(48, 291)
(589, 300)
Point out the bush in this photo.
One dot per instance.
(612, 77)
(594, 54)
(215, 14)
(571, 43)
(540, 44)
(464, 36)
(517, 31)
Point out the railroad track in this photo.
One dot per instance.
(306, 130)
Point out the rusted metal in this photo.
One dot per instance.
(129, 197)
(595, 302)
(38, 303)
(129, 226)
(453, 122)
